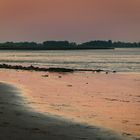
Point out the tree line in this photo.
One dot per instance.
(66, 45)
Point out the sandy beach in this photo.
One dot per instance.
(83, 105)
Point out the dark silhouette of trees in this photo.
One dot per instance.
(18, 45)
(97, 44)
(126, 45)
(59, 45)
(66, 45)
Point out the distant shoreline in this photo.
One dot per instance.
(43, 49)
(66, 45)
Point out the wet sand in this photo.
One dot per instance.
(109, 101)
(19, 123)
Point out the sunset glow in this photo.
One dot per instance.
(74, 20)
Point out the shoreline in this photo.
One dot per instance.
(17, 122)
(33, 83)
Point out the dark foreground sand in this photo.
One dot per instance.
(19, 123)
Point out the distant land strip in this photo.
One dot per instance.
(66, 45)
(51, 69)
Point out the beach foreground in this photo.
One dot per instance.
(36, 110)
(18, 123)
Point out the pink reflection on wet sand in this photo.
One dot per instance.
(107, 100)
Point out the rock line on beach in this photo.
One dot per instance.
(51, 69)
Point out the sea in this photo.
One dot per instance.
(120, 59)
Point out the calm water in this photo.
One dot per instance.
(122, 60)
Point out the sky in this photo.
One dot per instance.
(73, 20)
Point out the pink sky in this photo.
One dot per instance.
(74, 20)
